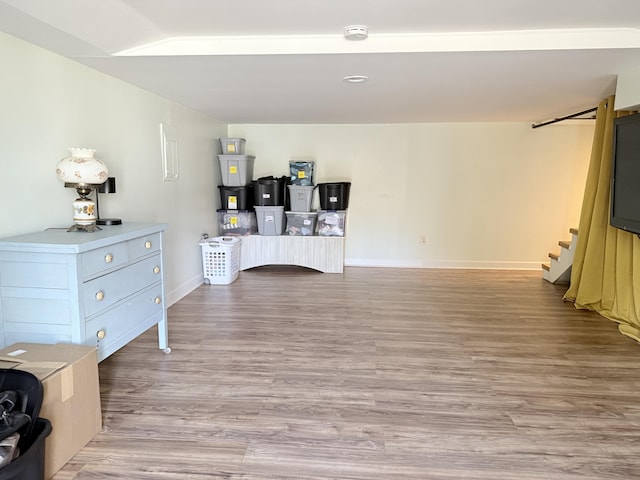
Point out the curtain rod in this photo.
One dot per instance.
(573, 115)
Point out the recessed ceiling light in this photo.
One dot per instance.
(356, 32)
(355, 78)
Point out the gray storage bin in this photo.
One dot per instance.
(236, 170)
(271, 220)
(300, 197)
(232, 146)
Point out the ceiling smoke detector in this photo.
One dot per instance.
(356, 32)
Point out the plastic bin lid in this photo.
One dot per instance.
(272, 179)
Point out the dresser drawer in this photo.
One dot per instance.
(113, 328)
(102, 292)
(139, 247)
(103, 259)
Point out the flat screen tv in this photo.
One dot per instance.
(625, 174)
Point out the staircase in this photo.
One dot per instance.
(558, 270)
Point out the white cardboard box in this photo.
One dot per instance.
(71, 402)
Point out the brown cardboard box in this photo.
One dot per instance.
(69, 375)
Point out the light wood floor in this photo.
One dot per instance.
(373, 374)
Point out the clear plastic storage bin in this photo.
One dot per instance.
(236, 222)
(301, 172)
(331, 223)
(220, 260)
(301, 223)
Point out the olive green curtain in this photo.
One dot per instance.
(605, 276)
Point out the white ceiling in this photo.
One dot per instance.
(283, 61)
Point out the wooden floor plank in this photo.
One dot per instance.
(376, 373)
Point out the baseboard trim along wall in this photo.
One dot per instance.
(183, 290)
(456, 264)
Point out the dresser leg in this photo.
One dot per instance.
(163, 336)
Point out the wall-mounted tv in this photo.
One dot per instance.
(625, 174)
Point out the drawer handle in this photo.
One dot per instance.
(100, 295)
(147, 244)
(108, 258)
(158, 300)
(156, 269)
(101, 334)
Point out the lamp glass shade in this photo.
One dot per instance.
(81, 167)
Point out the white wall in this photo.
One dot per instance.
(49, 103)
(485, 195)
(628, 90)
(496, 195)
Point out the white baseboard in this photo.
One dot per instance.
(183, 290)
(365, 262)
(457, 264)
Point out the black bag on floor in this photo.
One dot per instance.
(21, 396)
(12, 416)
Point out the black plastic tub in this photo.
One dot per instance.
(334, 196)
(270, 191)
(236, 198)
(30, 464)
(30, 394)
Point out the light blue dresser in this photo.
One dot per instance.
(103, 288)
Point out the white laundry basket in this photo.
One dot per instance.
(220, 260)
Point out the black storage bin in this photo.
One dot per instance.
(334, 196)
(30, 464)
(236, 198)
(270, 191)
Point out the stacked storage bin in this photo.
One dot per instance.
(237, 215)
(334, 201)
(270, 199)
(301, 220)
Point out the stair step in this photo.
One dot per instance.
(558, 269)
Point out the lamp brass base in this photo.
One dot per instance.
(83, 228)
